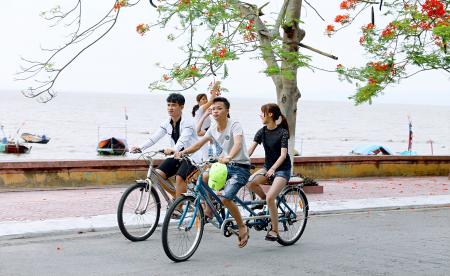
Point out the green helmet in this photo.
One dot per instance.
(217, 176)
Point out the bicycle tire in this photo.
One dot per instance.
(130, 230)
(296, 199)
(168, 225)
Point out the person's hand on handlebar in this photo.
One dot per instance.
(169, 151)
(225, 159)
(178, 154)
(135, 150)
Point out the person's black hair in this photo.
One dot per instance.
(176, 98)
(197, 106)
(276, 114)
(225, 102)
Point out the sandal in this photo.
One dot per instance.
(243, 240)
(176, 214)
(271, 237)
(208, 218)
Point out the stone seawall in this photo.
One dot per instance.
(98, 173)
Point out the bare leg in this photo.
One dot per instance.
(234, 211)
(257, 180)
(277, 185)
(208, 211)
(163, 175)
(180, 186)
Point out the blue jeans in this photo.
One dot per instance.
(286, 174)
(236, 179)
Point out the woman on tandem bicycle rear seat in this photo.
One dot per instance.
(277, 164)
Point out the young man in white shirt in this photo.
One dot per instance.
(228, 134)
(181, 131)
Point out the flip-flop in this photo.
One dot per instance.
(208, 218)
(245, 238)
(176, 214)
(270, 237)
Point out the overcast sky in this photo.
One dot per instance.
(123, 62)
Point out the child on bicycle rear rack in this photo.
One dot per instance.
(181, 131)
(228, 134)
(277, 164)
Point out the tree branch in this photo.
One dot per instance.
(314, 10)
(264, 38)
(275, 33)
(318, 51)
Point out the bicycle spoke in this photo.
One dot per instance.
(181, 236)
(138, 212)
(293, 217)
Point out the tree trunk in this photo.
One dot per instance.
(287, 100)
(289, 95)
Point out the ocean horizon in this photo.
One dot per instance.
(76, 121)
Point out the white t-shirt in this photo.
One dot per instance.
(206, 125)
(225, 140)
(198, 115)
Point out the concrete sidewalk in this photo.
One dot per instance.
(31, 213)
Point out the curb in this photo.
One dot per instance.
(100, 223)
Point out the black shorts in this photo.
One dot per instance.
(172, 167)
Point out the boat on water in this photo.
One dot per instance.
(14, 148)
(371, 150)
(34, 138)
(112, 146)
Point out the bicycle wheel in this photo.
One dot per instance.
(138, 212)
(293, 219)
(181, 237)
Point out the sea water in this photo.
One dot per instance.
(76, 121)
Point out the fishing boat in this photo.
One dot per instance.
(14, 148)
(371, 150)
(112, 146)
(33, 138)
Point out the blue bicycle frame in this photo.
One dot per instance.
(204, 192)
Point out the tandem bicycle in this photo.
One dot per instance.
(181, 237)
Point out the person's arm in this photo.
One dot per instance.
(278, 163)
(195, 147)
(234, 150)
(256, 141)
(185, 136)
(199, 126)
(238, 136)
(160, 132)
(252, 148)
(215, 92)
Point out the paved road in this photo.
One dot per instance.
(408, 242)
